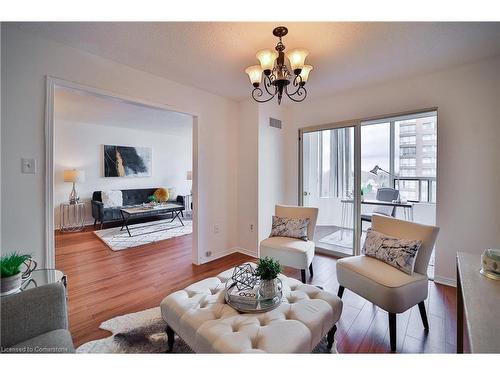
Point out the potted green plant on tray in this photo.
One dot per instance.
(268, 270)
(10, 272)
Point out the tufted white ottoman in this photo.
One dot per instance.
(200, 316)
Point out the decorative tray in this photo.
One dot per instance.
(242, 291)
(249, 300)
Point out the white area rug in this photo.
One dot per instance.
(144, 233)
(144, 332)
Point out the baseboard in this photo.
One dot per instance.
(217, 255)
(251, 253)
(223, 253)
(445, 281)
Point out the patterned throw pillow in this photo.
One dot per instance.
(290, 227)
(396, 252)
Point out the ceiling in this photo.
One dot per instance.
(213, 55)
(83, 107)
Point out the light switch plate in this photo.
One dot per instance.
(28, 166)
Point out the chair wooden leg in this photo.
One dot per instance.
(311, 270)
(170, 339)
(392, 331)
(340, 293)
(303, 275)
(423, 315)
(330, 338)
(95, 223)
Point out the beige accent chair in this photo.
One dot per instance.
(385, 286)
(293, 252)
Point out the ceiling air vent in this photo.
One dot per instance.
(274, 122)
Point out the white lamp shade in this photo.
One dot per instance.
(297, 57)
(304, 74)
(74, 175)
(189, 175)
(254, 73)
(266, 58)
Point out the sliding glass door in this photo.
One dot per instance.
(386, 166)
(328, 183)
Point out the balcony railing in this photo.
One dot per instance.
(425, 188)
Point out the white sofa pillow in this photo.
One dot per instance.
(112, 198)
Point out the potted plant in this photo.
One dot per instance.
(268, 270)
(10, 272)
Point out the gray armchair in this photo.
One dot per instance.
(36, 321)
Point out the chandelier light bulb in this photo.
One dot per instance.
(297, 58)
(304, 73)
(267, 59)
(255, 74)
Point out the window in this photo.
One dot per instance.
(429, 172)
(325, 163)
(429, 149)
(428, 160)
(407, 128)
(408, 172)
(429, 137)
(408, 162)
(408, 140)
(429, 125)
(407, 151)
(335, 164)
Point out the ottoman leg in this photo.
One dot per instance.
(330, 337)
(303, 276)
(170, 339)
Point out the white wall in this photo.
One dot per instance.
(467, 98)
(27, 59)
(79, 145)
(248, 177)
(262, 178)
(271, 160)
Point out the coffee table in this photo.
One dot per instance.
(199, 315)
(143, 211)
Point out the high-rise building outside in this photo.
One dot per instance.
(417, 149)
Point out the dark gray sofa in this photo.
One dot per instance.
(131, 197)
(36, 321)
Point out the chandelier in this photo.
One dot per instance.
(277, 75)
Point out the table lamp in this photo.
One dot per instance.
(74, 176)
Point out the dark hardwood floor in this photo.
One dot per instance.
(103, 284)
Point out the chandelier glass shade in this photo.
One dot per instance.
(274, 74)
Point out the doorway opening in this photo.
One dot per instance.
(155, 148)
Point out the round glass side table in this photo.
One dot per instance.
(72, 217)
(43, 277)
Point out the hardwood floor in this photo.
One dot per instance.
(103, 284)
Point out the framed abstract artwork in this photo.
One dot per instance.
(127, 161)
